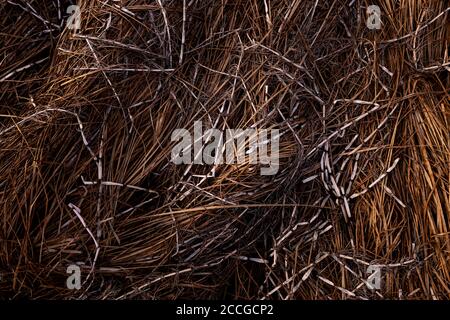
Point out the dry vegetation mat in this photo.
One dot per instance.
(86, 177)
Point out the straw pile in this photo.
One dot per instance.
(86, 175)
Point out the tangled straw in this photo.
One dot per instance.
(86, 118)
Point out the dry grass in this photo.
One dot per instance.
(85, 171)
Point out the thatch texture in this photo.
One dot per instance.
(85, 143)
